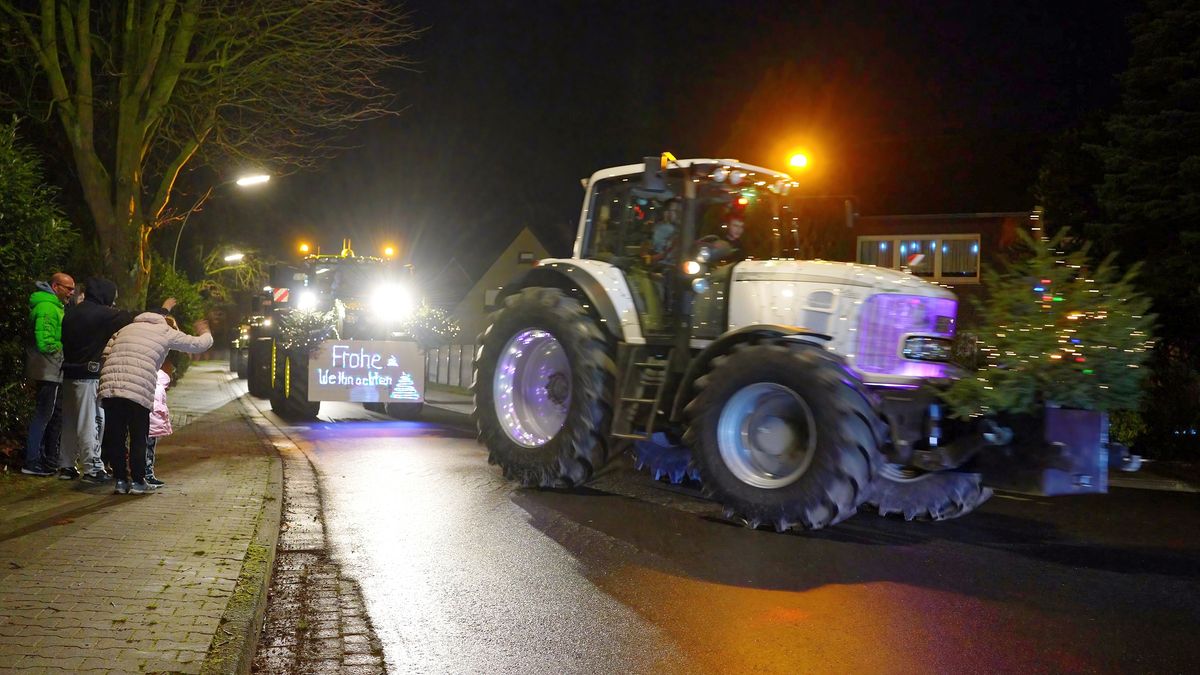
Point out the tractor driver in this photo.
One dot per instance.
(664, 237)
(727, 245)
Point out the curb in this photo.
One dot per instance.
(236, 641)
(1161, 484)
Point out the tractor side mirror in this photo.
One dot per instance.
(652, 175)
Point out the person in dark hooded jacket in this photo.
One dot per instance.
(86, 329)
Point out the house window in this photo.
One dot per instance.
(947, 258)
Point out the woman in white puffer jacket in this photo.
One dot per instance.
(127, 382)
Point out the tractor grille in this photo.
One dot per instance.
(887, 319)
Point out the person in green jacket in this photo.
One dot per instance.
(43, 365)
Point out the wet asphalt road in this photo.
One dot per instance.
(463, 573)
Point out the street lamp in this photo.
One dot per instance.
(255, 179)
(798, 160)
(243, 181)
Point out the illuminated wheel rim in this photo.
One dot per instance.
(767, 435)
(532, 388)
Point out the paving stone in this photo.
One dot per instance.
(90, 581)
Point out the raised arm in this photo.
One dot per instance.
(192, 344)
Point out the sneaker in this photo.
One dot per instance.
(142, 488)
(151, 480)
(96, 477)
(36, 471)
(68, 473)
(122, 487)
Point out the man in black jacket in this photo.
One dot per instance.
(86, 329)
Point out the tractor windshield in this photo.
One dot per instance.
(345, 279)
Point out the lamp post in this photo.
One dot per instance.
(243, 181)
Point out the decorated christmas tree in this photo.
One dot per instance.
(431, 327)
(1057, 330)
(305, 330)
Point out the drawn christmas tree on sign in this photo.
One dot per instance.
(405, 389)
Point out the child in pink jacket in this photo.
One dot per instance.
(160, 423)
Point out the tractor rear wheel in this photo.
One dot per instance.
(543, 375)
(783, 433)
(919, 495)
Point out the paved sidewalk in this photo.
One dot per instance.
(96, 582)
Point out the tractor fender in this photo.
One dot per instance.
(601, 287)
(725, 344)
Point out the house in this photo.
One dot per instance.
(520, 255)
(947, 248)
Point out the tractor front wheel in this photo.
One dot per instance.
(259, 366)
(919, 495)
(289, 397)
(404, 410)
(784, 434)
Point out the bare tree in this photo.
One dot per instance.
(145, 88)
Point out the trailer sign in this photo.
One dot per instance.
(366, 372)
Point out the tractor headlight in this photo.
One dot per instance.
(307, 301)
(923, 348)
(692, 268)
(393, 303)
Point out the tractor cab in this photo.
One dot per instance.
(675, 228)
(369, 295)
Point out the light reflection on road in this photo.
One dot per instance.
(463, 573)
(454, 577)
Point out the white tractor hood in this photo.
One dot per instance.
(822, 272)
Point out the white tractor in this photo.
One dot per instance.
(683, 326)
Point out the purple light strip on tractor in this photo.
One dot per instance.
(886, 318)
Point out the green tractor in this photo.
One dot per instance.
(337, 331)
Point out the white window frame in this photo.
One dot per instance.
(895, 239)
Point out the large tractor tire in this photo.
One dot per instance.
(402, 410)
(259, 367)
(242, 369)
(289, 397)
(919, 495)
(784, 434)
(543, 377)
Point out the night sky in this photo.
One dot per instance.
(914, 107)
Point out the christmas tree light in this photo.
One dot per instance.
(1066, 335)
